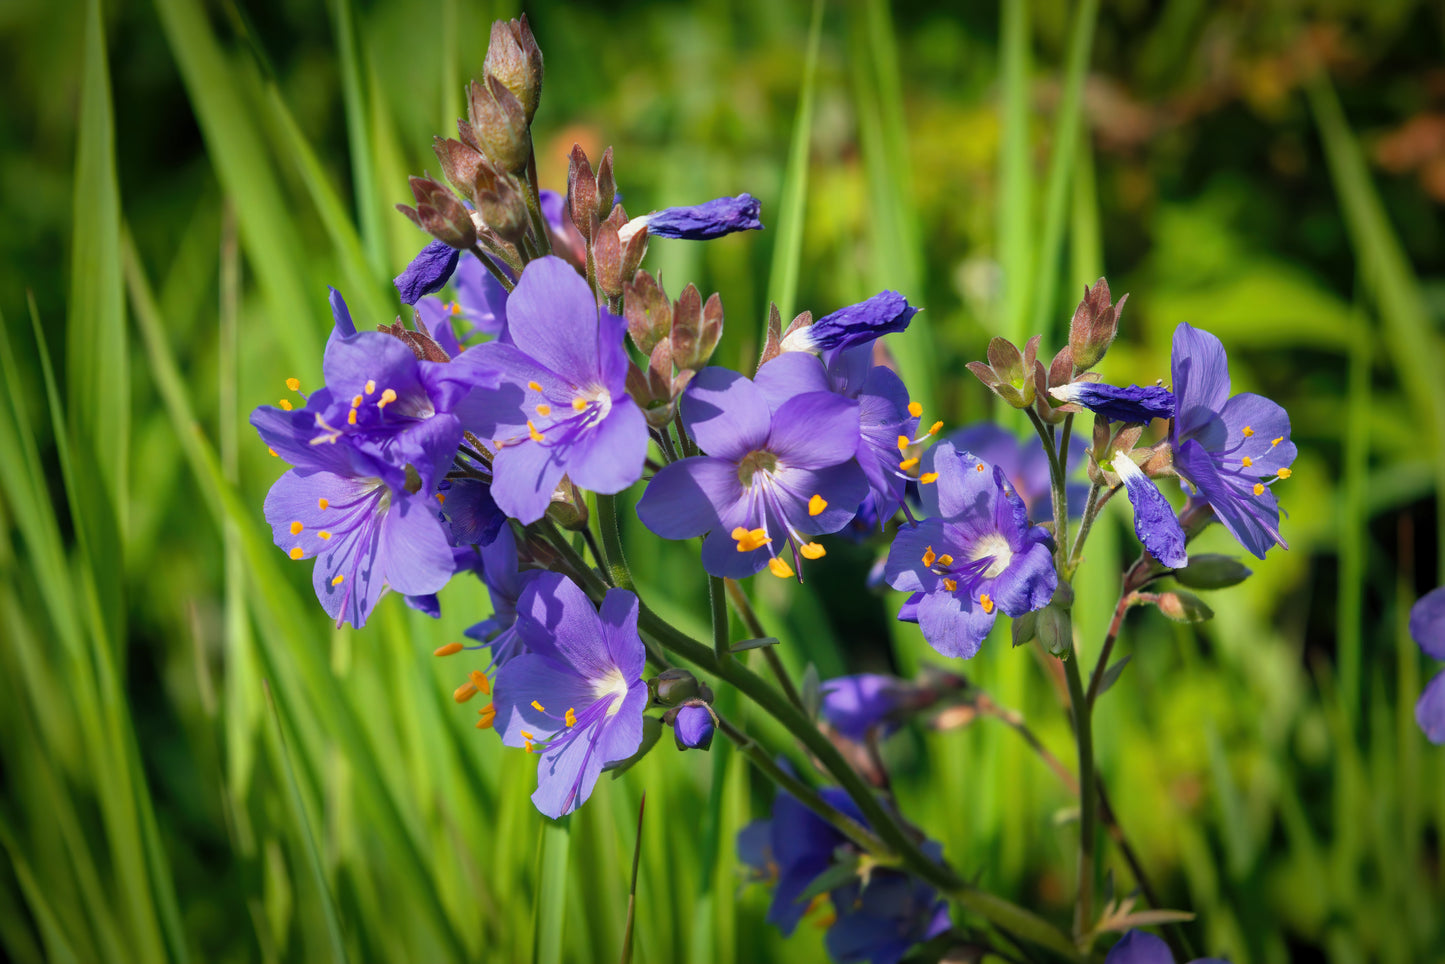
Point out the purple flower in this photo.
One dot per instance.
(368, 452)
(428, 272)
(880, 920)
(481, 304)
(693, 727)
(561, 405)
(769, 480)
(1154, 521)
(859, 324)
(1026, 467)
(853, 705)
(1427, 628)
(1141, 947)
(576, 695)
(887, 420)
(700, 222)
(1135, 404)
(470, 515)
(976, 554)
(505, 583)
(1230, 449)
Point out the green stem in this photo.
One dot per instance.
(612, 542)
(1057, 491)
(1088, 801)
(719, 607)
(1091, 512)
(754, 627)
(491, 266)
(534, 202)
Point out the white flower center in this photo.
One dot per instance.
(997, 546)
(613, 684)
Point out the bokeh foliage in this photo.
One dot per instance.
(196, 766)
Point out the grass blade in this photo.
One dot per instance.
(632, 887)
(1015, 178)
(549, 912)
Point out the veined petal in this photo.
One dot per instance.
(413, 550)
(725, 413)
(524, 476)
(702, 222)
(607, 457)
(954, 624)
(1266, 444)
(815, 431)
(619, 628)
(427, 273)
(1200, 371)
(791, 374)
(1252, 519)
(558, 620)
(686, 498)
(552, 316)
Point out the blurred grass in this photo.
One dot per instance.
(222, 165)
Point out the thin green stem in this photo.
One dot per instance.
(1057, 491)
(533, 198)
(596, 551)
(719, 609)
(491, 266)
(755, 629)
(1088, 800)
(612, 541)
(1086, 524)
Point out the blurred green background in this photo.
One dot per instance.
(181, 180)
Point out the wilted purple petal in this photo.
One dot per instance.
(428, 272)
(1136, 404)
(701, 222)
(860, 324)
(1155, 523)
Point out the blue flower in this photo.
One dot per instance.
(880, 920)
(576, 696)
(1025, 466)
(428, 272)
(1231, 449)
(1141, 947)
(853, 705)
(1427, 628)
(1134, 404)
(700, 222)
(860, 324)
(1155, 523)
(975, 555)
(505, 583)
(693, 727)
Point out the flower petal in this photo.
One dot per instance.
(1200, 371)
(1139, 947)
(725, 413)
(607, 457)
(413, 550)
(1427, 622)
(1154, 521)
(687, 498)
(953, 624)
(790, 374)
(524, 476)
(1430, 710)
(815, 431)
(427, 273)
(553, 317)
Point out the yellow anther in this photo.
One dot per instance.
(571, 717)
(812, 550)
(935, 428)
(915, 409)
(456, 307)
(750, 539)
(441, 498)
(485, 723)
(528, 747)
(779, 568)
(986, 602)
(480, 681)
(356, 401)
(929, 557)
(532, 432)
(370, 386)
(1246, 461)
(1248, 432)
(387, 397)
(273, 452)
(294, 384)
(578, 404)
(322, 503)
(448, 650)
(928, 477)
(817, 504)
(285, 405)
(1275, 442)
(908, 464)
(534, 386)
(544, 409)
(945, 560)
(903, 442)
(978, 467)
(1259, 488)
(950, 584)
(351, 417)
(1284, 473)
(323, 535)
(538, 707)
(296, 528)
(525, 735)
(338, 580)
(296, 552)
(464, 692)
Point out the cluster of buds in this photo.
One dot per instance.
(676, 337)
(613, 252)
(690, 712)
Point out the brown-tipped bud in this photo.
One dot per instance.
(1095, 323)
(659, 372)
(1009, 373)
(773, 342)
(504, 209)
(686, 324)
(634, 249)
(804, 320)
(499, 125)
(440, 213)
(1210, 570)
(648, 310)
(463, 165)
(606, 187)
(514, 59)
(581, 191)
(607, 259)
(712, 329)
(1183, 607)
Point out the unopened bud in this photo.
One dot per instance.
(1183, 607)
(440, 213)
(606, 188)
(1055, 629)
(692, 726)
(648, 310)
(1009, 373)
(504, 209)
(499, 125)
(1211, 570)
(673, 686)
(1095, 323)
(568, 507)
(607, 259)
(514, 58)
(582, 191)
(686, 324)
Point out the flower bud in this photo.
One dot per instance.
(581, 191)
(673, 686)
(607, 259)
(463, 165)
(1009, 373)
(1095, 323)
(693, 726)
(504, 209)
(514, 58)
(1211, 570)
(607, 190)
(499, 125)
(686, 325)
(648, 310)
(440, 213)
(568, 507)
(1183, 607)
(1055, 629)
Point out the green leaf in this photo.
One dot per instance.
(748, 644)
(1112, 674)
